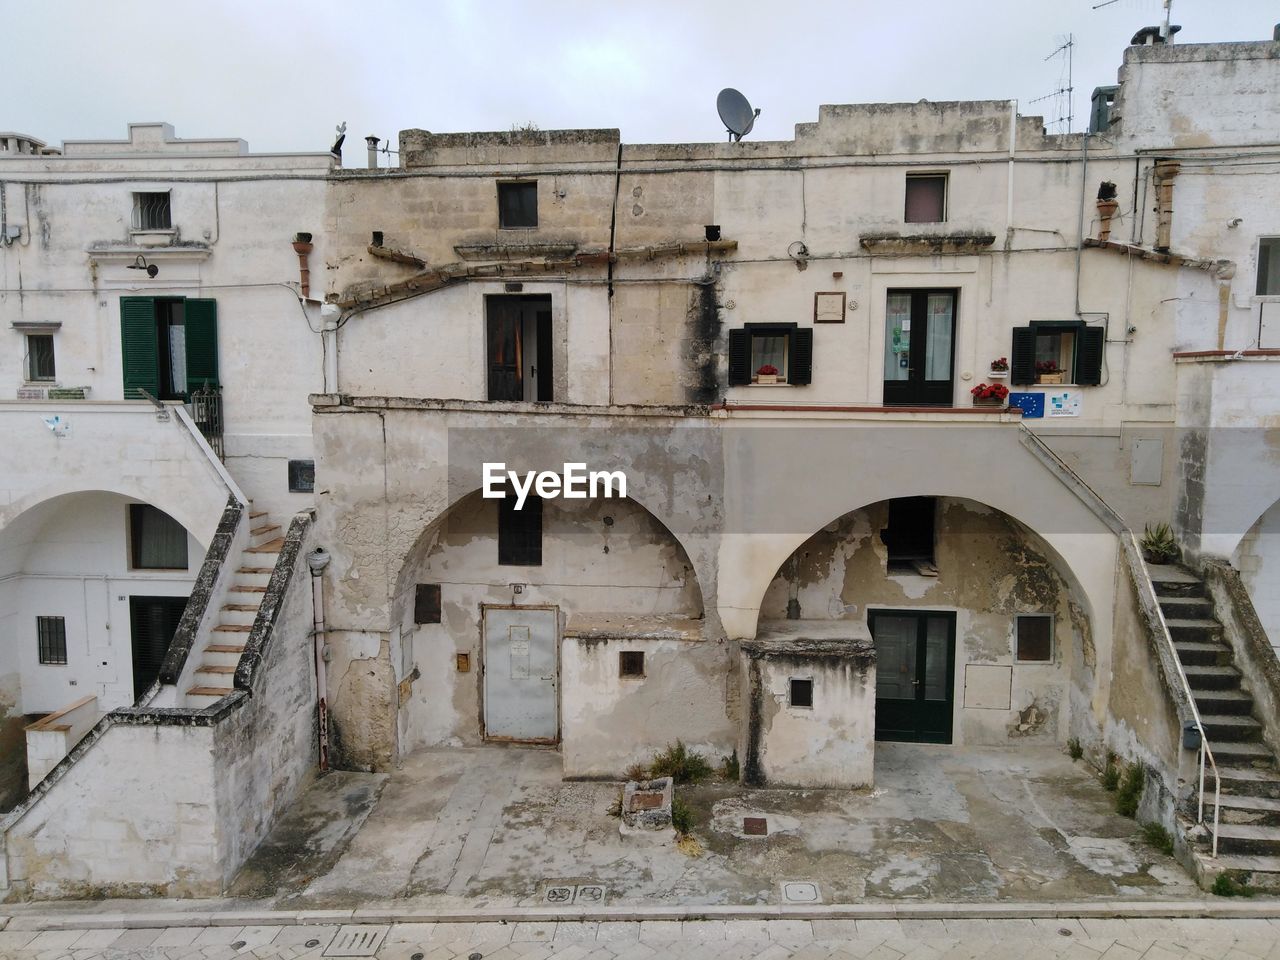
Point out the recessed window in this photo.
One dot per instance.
(1050, 352)
(631, 663)
(518, 204)
(156, 540)
(800, 692)
(926, 198)
(40, 356)
(1269, 267)
(302, 476)
(151, 211)
(520, 531)
(51, 633)
(763, 353)
(426, 603)
(1035, 638)
(909, 535)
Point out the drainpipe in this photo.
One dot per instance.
(317, 560)
(330, 314)
(302, 246)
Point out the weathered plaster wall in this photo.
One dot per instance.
(597, 556)
(13, 747)
(1258, 560)
(990, 569)
(135, 815)
(610, 722)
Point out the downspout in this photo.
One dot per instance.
(1013, 135)
(330, 315)
(613, 227)
(1084, 189)
(317, 560)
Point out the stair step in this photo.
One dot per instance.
(1224, 727)
(1242, 753)
(1247, 781)
(233, 628)
(1256, 811)
(1244, 863)
(241, 607)
(208, 691)
(1172, 581)
(272, 546)
(224, 648)
(238, 588)
(266, 570)
(1187, 608)
(1194, 631)
(1223, 701)
(215, 668)
(257, 514)
(1248, 838)
(1202, 653)
(1212, 678)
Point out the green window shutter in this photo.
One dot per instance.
(739, 358)
(1022, 358)
(1089, 349)
(800, 363)
(139, 347)
(201, 318)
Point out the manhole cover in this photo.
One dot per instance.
(356, 940)
(755, 826)
(800, 891)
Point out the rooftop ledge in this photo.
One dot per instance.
(632, 626)
(811, 639)
(1224, 356)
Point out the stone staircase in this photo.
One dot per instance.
(1249, 815)
(212, 680)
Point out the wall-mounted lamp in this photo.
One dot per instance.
(140, 263)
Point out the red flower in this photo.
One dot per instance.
(768, 370)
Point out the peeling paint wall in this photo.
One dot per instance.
(989, 570)
(610, 722)
(1258, 560)
(597, 556)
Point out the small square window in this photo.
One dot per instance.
(926, 198)
(156, 540)
(40, 356)
(302, 476)
(151, 211)
(426, 603)
(631, 663)
(518, 204)
(51, 633)
(1035, 639)
(801, 692)
(1269, 267)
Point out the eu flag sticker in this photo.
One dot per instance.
(1031, 404)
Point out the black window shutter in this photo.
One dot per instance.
(1089, 356)
(1022, 362)
(201, 319)
(139, 347)
(739, 358)
(800, 360)
(520, 531)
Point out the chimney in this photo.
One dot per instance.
(372, 141)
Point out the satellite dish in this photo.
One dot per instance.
(735, 113)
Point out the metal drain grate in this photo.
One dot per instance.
(357, 940)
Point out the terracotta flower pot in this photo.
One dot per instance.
(1106, 210)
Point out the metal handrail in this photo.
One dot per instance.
(1206, 760)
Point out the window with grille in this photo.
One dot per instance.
(151, 211)
(40, 356)
(51, 633)
(156, 540)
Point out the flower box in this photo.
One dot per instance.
(766, 378)
(1050, 377)
(998, 374)
(988, 402)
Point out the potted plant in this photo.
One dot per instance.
(768, 373)
(989, 394)
(1000, 368)
(1047, 372)
(1159, 545)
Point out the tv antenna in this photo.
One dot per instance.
(1065, 88)
(1165, 33)
(736, 113)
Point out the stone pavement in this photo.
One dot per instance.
(495, 827)
(1237, 938)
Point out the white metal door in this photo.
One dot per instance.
(521, 673)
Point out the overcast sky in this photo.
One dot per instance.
(282, 74)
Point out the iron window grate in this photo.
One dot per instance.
(52, 635)
(151, 211)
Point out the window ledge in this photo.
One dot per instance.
(754, 384)
(153, 238)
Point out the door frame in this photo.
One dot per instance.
(483, 674)
(922, 293)
(921, 613)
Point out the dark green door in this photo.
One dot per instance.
(152, 621)
(915, 674)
